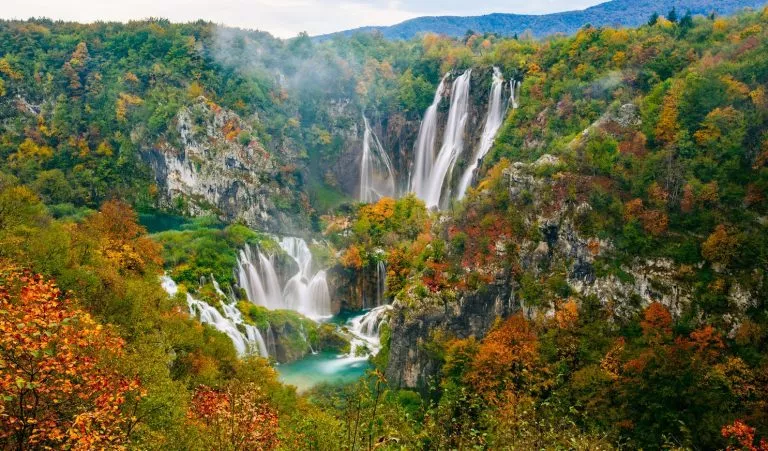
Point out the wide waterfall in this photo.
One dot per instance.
(246, 338)
(306, 292)
(492, 123)
(453, 140)
(377, 178)
(425, 144)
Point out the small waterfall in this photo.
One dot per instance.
(377, 178)
(514, 99)
(271, 348)
(425, 144)
(250, 342)
(381, 280)
(365, 330)
(492, 123)
(453, 140)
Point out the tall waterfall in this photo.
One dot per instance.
(453, 140)
(246, 341)
(425, 145)
(377, 178)
(514, 87)
(306, 292)
(492, 123)
(381, 281)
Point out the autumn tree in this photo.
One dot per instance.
(236, 417)
(57, 389)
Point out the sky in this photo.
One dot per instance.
(282, 18)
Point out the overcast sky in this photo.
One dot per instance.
(283, 18)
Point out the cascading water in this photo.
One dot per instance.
(381, 280)
(453, 140)
(377, 178)
(492, 123)
(514, 87)
(246, 343)
(425, 145)
(305, 292)
(365, 332)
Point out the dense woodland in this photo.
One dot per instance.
(93, 353)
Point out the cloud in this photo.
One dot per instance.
(283, 18)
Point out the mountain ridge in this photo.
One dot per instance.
(610, 13)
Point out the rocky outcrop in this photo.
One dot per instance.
(218, 166)
(410, 362)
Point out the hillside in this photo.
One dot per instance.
(615, 13)
(214, 239)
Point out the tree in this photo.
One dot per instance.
(653, 19)
(672, 15)
(57, 389)
(237, 417)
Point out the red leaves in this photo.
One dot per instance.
(55, 389)
(235, 418)
(744, 436)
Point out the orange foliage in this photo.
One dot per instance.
(55, 390)
(744, 436)
(235, 418)
(567, 316)
(122, 240)
(720, 247)
(657, 321)
(506, 361)
(668, 125)
(351, 258)
(380, 211)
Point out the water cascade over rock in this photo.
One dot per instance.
(453, 141)
(306, 292)
(425, 145)
(246, 338)
(493, 121)
(365, 332)
(377, 178)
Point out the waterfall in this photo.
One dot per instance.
(425, 144)
(250, 279)
(306, 292)
(381, 280)
(377, 178)
(453, 140)
(492, 123)
(271, 348)
(247, 343)
(365, 330)
(514, 87)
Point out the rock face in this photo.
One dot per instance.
(626, 289)
(410, 363)
(218, 166)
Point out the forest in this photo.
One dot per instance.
(603, 283)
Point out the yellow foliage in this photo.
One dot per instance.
(7, 70)
(29, 150)
(123, 102)
(759, 98)
(663, 22)
(104, 149)
(667, 127)
(130, 77)
(735, 88)
(195, 90)
(751, 31)
(567, 316)
(720, 25)
(619, 58)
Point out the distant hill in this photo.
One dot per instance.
(627, 13)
